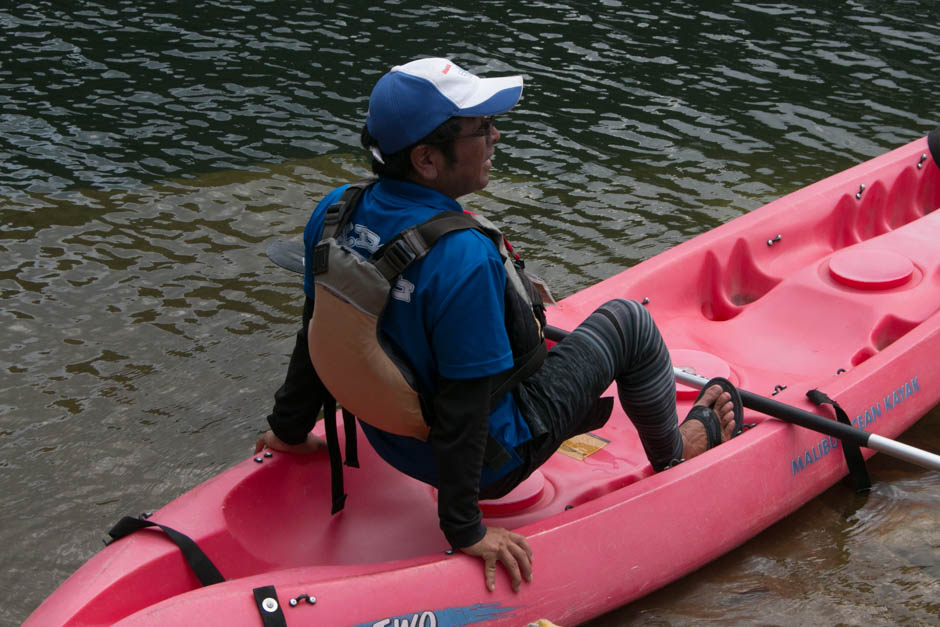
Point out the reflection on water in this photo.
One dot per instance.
(149, 151)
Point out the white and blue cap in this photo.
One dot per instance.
(412, 100)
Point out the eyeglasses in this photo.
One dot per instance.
(484, 130)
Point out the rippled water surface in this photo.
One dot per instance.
(149, 150)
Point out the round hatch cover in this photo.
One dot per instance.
(870, 269)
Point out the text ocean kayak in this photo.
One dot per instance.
(834, 287)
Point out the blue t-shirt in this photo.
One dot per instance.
(445, 314)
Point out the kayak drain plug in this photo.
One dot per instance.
(303, 597)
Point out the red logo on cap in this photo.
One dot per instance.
(446, 69)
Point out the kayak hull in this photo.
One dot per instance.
(835, 287)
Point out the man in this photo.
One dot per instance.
(456, 323)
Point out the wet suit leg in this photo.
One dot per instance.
(618, 342)
(646, 384)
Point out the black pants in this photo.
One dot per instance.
(618, 342)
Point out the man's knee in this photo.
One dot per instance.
(626, 314)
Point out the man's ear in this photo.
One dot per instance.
(425, 161)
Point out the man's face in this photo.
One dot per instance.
(473, 152)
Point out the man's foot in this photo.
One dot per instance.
(721, 404)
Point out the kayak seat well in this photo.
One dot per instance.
(726, 289)
(280, 514)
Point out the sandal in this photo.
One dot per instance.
(707, 416)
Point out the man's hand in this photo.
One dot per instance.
(507, 547)
(269, 440)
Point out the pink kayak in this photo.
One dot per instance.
(835, 287)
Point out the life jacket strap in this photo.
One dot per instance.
(525, 367)
(338, 492)
(397, 256)
(337, 489)
(495, 455)
(338, 213)
(414, 242)
(349, 427)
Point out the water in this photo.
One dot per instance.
(149, 150)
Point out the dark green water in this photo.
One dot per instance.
(148, 150)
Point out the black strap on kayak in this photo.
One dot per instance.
(349, 428)
(269, 607)
(332, 446)
(852, 452)
(336, 461)
(202, 566)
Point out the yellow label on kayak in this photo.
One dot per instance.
(581, 446)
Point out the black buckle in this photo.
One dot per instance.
(398, 256)
(334, 212)
(321, 258)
